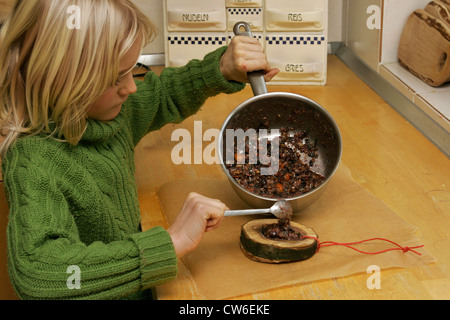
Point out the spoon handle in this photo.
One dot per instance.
(230, 213)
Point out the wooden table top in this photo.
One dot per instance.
(386, 155)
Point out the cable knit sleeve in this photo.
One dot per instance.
(76, 208)
(177, 93)
(49, 200)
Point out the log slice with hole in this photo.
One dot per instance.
(260, 248)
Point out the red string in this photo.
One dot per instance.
(350, 245)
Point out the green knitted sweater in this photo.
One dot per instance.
(74, 210)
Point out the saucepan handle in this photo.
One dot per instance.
(256, 78)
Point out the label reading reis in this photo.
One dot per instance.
(295, 17)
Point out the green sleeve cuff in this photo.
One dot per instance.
(158, 261)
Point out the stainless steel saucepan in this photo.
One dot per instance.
(281, 110)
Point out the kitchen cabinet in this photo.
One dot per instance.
(296, 40)
(372, 33)
(361, 39)
(294, 33)
(435, 102)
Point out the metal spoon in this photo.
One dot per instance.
(282, 209)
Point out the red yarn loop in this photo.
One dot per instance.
(350, 245)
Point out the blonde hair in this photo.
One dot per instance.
(51, 73)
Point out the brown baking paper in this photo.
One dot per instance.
(345, 212)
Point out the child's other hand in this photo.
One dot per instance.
(198, 215)
(245, 54)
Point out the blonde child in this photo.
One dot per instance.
(71, 115)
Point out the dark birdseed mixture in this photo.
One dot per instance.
(294, 177)
(281, 231)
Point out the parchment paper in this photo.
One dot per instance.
(345, 212)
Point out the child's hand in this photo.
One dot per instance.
(198, 215)
(245, 54)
